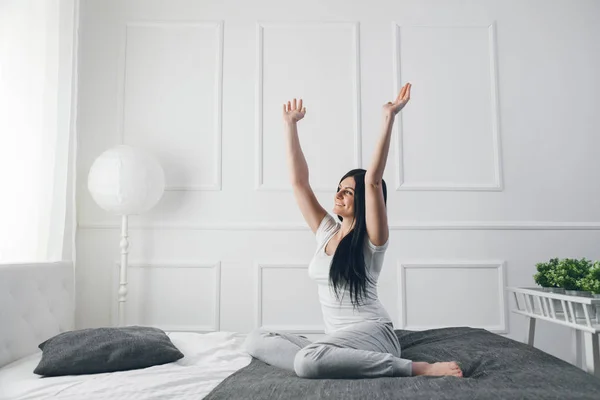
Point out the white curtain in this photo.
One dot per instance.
(37, 49)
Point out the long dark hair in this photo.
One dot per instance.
(348, 270)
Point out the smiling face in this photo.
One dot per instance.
(344, 198)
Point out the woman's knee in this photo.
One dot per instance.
(255, 342)
(307, 363)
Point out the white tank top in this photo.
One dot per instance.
(338, 314)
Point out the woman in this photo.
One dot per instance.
(360, 341)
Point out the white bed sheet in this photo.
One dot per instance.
(209, 359)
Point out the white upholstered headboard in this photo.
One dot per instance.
(36, 303)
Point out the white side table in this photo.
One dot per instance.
(534, 304)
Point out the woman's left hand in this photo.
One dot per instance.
(391, 109)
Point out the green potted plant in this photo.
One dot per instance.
(591, 283)
(542, 276)
(568, 274)
(545, 278)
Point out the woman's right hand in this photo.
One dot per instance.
(293, 112)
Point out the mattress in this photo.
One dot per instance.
(209, 359)
(494, 367)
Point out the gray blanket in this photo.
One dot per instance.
(494, 367)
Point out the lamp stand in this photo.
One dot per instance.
(123, 271)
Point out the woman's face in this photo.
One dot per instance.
(344, 198)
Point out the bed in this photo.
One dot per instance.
(209, 358)
(494, 367)
(37, 303)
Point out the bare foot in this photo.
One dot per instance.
(436, 369)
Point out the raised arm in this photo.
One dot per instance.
(375, 212)
(312, 211)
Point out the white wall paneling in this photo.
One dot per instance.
(453, 293)
(172, 296)
(323, 68)
(170, 98)
(286, 299)
(485, 163)
(455, 69)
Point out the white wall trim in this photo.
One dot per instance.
(260, 185)
(218, 96)
(497, 185)
(400, 226)
(401, 268)
(216, 324)
(259, 266)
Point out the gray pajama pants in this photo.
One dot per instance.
(363, 350)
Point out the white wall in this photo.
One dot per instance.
(492, 167)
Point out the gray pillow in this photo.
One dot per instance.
(91, 351)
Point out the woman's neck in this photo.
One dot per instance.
(347, 226)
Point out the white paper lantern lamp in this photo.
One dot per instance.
(125, 181)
